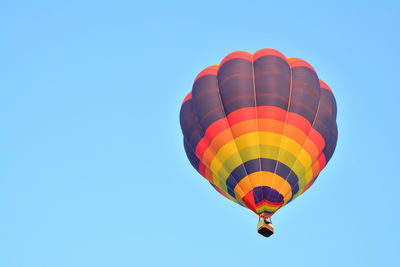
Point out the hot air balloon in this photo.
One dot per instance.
(260, 128)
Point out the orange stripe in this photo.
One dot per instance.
(201, 147)
(294, 122)
(217, 127)
(298, 121)
(268, 125)
(244, 127)
(317, 139)
(221, 139)
(265, 125)
(207, 157)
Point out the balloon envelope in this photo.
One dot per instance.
(260, 128)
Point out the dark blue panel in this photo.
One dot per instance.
(325, 122)
(259, 194)
(235, 80)
(305, 93)
(194, 160)
(207, 104)
(268, 165)
(272, 81)
(189, 125)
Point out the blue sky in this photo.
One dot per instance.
(92, 166)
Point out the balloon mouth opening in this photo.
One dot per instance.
(264, 200)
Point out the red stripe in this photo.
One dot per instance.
(202, 147)
(202, 169)
(321, 161)
(298, 121)
(238, 54)
(268, 52)
(263, 112)
(217, 127)
(242, 114)
(189, 96)
(271, 204)
(317, 139)
(271, 112)
(211, 70)
(297, 62)
(323, 85)
(249, 200)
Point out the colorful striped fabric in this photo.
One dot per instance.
(260, 128)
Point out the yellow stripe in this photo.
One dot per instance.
(222, 186)
(253, 180)
(230, 158)
(252, 146)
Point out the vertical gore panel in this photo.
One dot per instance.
(272, 81)
(189, 125)
(235, 80)
(208, 108)
(305, 93)
(191, 156)
(206, 101)
(325, 122)
(272, 85)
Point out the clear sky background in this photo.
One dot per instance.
(92, 166)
